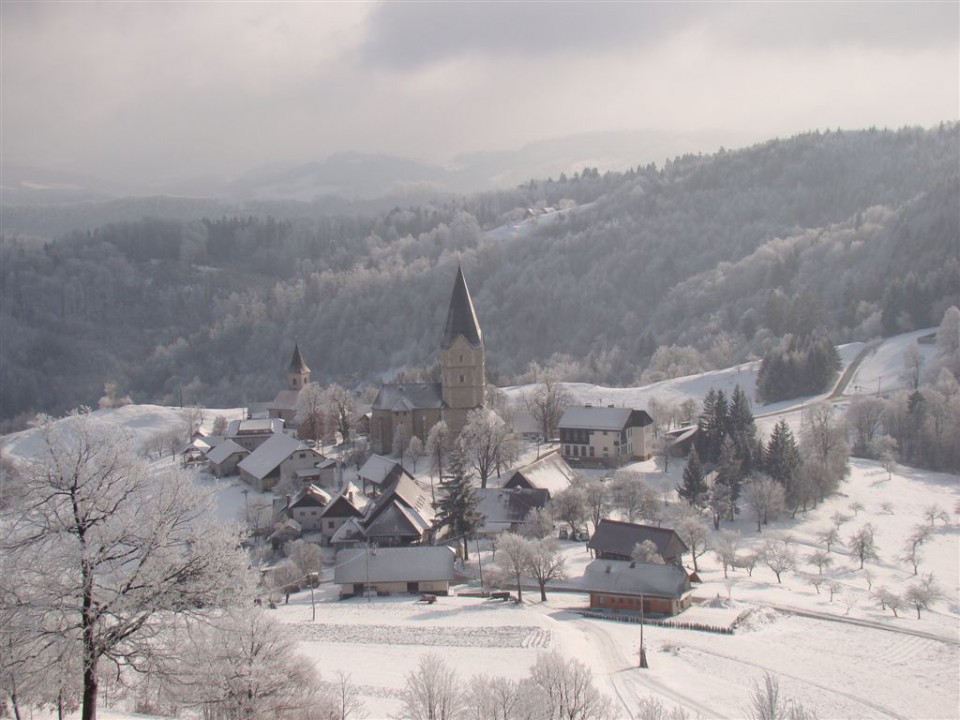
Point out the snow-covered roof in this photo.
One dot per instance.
(262, 461)
(550, 473)
(285, 400)
(404, 397)
(410, 564)
(614, 536)
(379, 469)
(311, 496)
(618, 577)
(350, 531)
(603, 418)
(257, 426)
(224, 450)
(501, 508)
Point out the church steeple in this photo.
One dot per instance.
(462, 366)
(298, 374)
(461, 317)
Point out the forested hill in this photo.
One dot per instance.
(709, 258)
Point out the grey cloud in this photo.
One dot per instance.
(409, 35)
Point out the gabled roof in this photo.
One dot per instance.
(395, 521)
(351, 531)
(285, 400)
(404, 397)
(412, 564)
(311, 496)
(350, 503)
(550, 473)
(262, 461)
(461, 317)
(224, 450)
(502, 508)
(255, 426)
(618, 577)
(297, 363)
(381, 470)
(410, 495)
(619, 538)
(599, 418)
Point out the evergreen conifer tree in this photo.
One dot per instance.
(457, 507)
(694, 487)
(781, 461)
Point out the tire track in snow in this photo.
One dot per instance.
(883, 709)
(619, 667)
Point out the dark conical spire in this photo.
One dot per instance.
(461, 317)
(297, 363)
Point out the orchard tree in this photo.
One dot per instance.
(863, 545)
(695, 534)
(829, 537)
(923, 594)
(570, 506)
(105, 550)
(779, 556)
(725, 547)
(433, 691)
(765, 496)
(633, 497)
(567, 689)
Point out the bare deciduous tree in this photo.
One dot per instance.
(821, 559)
(725, 547)
(568, 689)
(546, 564)
(923, 594)
(863, 544)
(546, 403)
(779, 556)
(432, 692)
(484, 439)
(107, 549)
(765, 496)
(515, 557)
(694, 533)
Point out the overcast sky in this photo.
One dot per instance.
(181, 88)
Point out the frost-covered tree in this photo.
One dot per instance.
(414, 451)
(307, 557)
(438, 445)
(646, 552)
(725, 547)
(570, 506)
(596, 493)
(634, 498)
(829, 537)
(340, 411)
(106, 549)
(779, 556)
(546, 402)
(515, 554)
(695, 535)
(432, 691)
(568, 690)
(244, 664)
(500, 698)
(863, 421)
(546, 564)
(823, 441)
(863, 544)
(484, 441)
(309, 412)
(765, 497)
(923, 594)
(821, 559)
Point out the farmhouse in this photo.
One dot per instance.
(379, 472)
(224, 457)
(251, 434)
(349, 505)
(276, 460)
(393, 571)
(307, 508)
(626, 586)
(615, 540)
(606, 435)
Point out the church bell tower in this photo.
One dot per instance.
(462, 367)
(298, 374)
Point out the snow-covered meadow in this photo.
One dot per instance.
(842, 657)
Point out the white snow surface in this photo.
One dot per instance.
(845, 658)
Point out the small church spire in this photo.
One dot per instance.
(461, 317)
(298, 374)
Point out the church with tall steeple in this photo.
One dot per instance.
(402, 410)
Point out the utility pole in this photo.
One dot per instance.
(642, 652)
(479, 564)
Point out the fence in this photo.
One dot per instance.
(701, 627)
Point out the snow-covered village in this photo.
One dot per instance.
(554, 360)
(603, 551)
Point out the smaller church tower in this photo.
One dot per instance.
(462, 367)
(298, 374)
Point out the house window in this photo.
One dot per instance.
(566, 449)
(461, 379)
(329, 524)
(591, 451)
(313, 512)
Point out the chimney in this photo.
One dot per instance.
(289, 498)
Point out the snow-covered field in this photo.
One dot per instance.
(845, 658)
